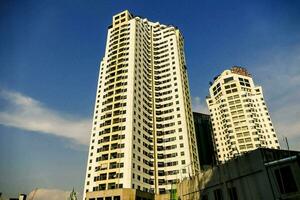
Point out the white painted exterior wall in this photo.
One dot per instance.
(144, 73)
(240, 118)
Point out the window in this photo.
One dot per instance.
(111, 186)
(285, 180)
(226, 80)
(102, 186)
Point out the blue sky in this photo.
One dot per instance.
(50, 52)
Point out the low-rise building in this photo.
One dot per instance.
(261, 174)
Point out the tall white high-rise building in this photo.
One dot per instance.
(240, 118)
(143, 136)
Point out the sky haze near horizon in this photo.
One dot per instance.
(50, 53)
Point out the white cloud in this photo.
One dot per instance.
(279, 76)
(199, 105)
(49, 194)
(26, 113)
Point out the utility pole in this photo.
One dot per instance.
(287, 143)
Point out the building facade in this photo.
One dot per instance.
(203, 129)
(143, 135)
(240, 118)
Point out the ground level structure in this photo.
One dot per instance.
(259, 174)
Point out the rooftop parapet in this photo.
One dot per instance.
(240, 70)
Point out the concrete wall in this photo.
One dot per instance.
(124, 194)
(252, 176)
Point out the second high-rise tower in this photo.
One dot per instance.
(240, 118)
